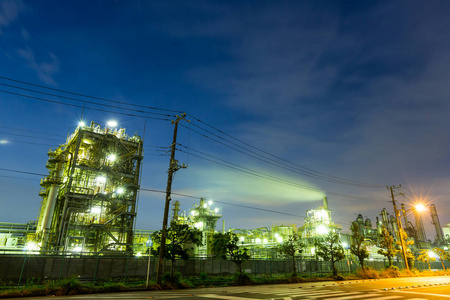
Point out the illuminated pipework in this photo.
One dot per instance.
(204, 217)
(89, 198)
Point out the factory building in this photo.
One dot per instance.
(318, 223)
(89, 197)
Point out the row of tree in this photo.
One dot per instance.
(181, 238)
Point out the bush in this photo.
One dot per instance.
(175, 280)
(242, 279)
(391, 272)
(367, 273)
(203, 276)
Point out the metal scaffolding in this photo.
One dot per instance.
(89, 196)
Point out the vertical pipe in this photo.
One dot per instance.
(437, 224)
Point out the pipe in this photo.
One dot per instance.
(437, 224)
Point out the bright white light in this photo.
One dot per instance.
(31, 246)
(119, 191)
(265, 241)
(445, 248)
(241, 238)
(101, 179)
(210, 202)
(96, 210)
(279, 239)
(111, 157)
(345, 245)
(193, 212)
(431, 254)
(258, 241)
(198, 225)
(139, 254)
(112, 123)
(77, 249)
(3, 142)
(420, 207)
(277, 235)
(81, 124)
(216, 210)
(321, 229)
(205, 205)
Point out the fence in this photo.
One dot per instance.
(19, 268)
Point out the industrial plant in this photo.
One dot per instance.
(89, 206)
(89, 197)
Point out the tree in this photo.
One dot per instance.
(225, 246)
(294, 244)
(426, 256)
(358, 245)
(330, 249)
(179, 238)
(443, 255)
(387, 245)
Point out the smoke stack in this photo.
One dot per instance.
(436, 223)
(421, 236)
(325, 203)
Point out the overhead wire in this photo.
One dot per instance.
(309, 170)
(88, 96)
(82, 106)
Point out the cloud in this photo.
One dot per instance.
(9, 12)
(46, 69)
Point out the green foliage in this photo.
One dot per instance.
(358, 245)
(443, 255)
(330, 249)
(179, 241)
(203, 276)
(225, 246)
(242, 278)
(425, 257)
(387, 245)
(294, 244)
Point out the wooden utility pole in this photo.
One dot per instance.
(399, 224)
(173, 167)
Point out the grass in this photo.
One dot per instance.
(73, 286)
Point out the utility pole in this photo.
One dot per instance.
(173, 167)
(399, 223)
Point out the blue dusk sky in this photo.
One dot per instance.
(288, 101)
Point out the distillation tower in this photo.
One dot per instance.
(89, 197)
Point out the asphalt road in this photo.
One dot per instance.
(398, 288)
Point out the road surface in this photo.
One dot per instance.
(384, 289)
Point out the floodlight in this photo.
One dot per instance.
(112, 123)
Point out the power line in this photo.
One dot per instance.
(273, 162)
(87, 96)
(82, 106)
(310, 171)
(254, 173)
(83, 101)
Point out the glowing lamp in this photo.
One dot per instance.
(101, 179)
(112, 123)
(321, 229)
(420, 207)
(120, 191)
(81, 124)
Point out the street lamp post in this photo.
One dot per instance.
(149, 245)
